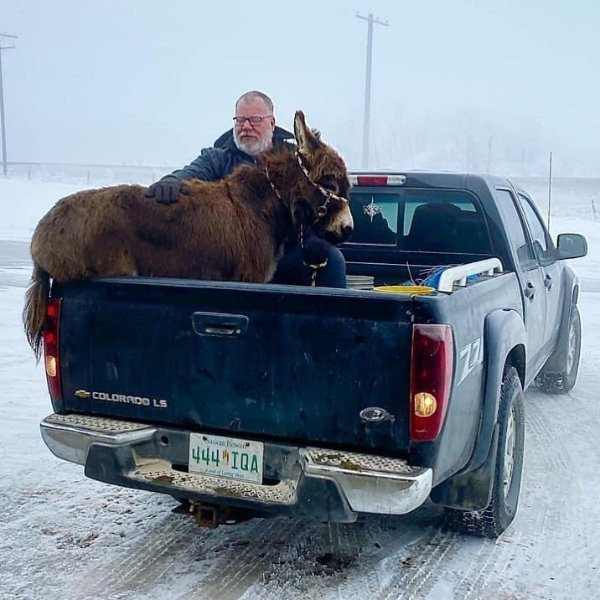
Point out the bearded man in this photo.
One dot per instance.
(254, 132)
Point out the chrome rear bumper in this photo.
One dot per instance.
(312, 481)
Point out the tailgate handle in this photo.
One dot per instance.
(220, 324)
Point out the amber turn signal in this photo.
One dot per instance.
(51, 369)
(425, 404)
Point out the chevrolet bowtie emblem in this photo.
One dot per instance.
(82, 394)
(374, 414)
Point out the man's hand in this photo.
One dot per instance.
(167, 190)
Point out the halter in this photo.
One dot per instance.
(322, 210)
(328, 194)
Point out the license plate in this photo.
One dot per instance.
(226, 457)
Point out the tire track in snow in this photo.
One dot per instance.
(571, 432)
(333, 561)
(534, 528)
(545, 452)
(223, 563)
(352, 542)
(416, 538)
(368, 583)
(237, 571)
(376, 542)
(358, 542)
(311, 563)
(411, 556)
(547, 433)
(416, 581)
(489, 575)
(139, 567)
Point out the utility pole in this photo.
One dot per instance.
(550, 192)
(371, 20)
(2, 122)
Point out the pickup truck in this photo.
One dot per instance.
(245, 400)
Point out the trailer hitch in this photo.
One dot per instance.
(211, 516)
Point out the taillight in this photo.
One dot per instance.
(51, 356)
(430, 380)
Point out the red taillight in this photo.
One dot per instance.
(372, 180)
(51, 355)
(430, 380)
(377, 180)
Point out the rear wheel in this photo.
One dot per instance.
(564, 380)
(494, 519)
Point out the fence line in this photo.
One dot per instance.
(88, 174)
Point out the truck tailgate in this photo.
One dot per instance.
(269, 361)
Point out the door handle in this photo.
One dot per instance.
(529, 291)
(219, 324)
(548, 282)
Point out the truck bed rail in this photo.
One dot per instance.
(458, 275)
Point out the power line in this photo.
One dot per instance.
(2, 119)
(371, 20)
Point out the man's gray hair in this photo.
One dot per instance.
(252, 95)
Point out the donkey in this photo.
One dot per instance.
(232, 230)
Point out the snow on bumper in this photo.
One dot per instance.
(312, 481)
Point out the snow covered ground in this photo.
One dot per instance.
(68, 537)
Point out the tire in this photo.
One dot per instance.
(564, 380)
(495, 518)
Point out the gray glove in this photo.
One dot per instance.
(167, 190)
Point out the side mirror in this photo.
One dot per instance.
(571, 245)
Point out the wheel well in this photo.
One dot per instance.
(516, 359)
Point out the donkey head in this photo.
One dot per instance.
(321, 198)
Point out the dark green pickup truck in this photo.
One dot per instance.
(258, 399)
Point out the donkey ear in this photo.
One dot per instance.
(308, 142)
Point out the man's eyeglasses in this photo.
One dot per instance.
(251, 120)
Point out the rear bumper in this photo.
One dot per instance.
(330, 484)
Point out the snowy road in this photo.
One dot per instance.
(68, 537)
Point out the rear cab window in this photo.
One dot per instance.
(419, 220)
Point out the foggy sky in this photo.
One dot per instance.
(479, 85)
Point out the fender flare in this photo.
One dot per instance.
(504, 337)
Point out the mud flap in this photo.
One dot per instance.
(469, 490)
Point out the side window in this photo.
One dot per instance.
(375, 218)
(542, 244)
(515, 229)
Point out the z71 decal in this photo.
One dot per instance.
(469, 357)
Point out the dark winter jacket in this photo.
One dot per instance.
(220, 160)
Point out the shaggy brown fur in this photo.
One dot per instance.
(231, 229)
